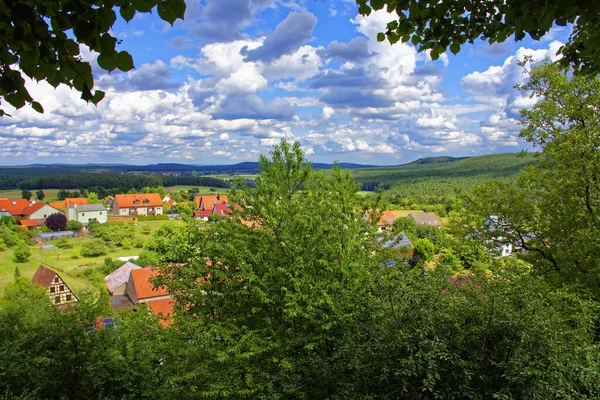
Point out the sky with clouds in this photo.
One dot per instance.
(236, 76)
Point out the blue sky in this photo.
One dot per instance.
(237, 76)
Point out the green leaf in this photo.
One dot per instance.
(178, 7)
(124, 61)
(415, 40)
(377, 4)
(16, 99)
(380, 37)
(107, 62)
(364, 9)
(127, 13)
(98, 96)
(454, 48)
(37, 107)
(434, 55)
(166, 13)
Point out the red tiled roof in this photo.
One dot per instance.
(43, 276)
(163, 309)
(222, 210)
(144, 200)
(33, 222)
(15, 207)
(75, 200)
(207, 201)
(387, 218)
(57, 204)
(202, 213)
(144, 289)
(30, 209)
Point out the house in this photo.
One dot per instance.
(222, 210)
(116, 281)
(69, 201)
(399, 242)
(205, 202)
(425, 218)
(386, 219)
(202, 214)
(56, 289)
(139, 289)
(109, 201)
(39, 211)
(14, 207)
(84, 213)
(33, 223)
(138, 204)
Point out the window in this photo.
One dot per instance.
(68, 297)
(52, 289)
(83, 214)
(62, 288)
(55, 280)
(146, 201)
(45, 215)
(100, 212)
(57, 300)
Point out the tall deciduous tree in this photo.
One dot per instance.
(26, 194)
(39, 194)
(439, 25)
(42, 39)
(554, 209)
(277, 294)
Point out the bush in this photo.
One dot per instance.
(75, 255)
(11, 238)
(56, 222)
(63, 243)
(94, 248)
(162, 217)
(146, 230)
(74, 225)
(21, 253)
(137, 242)
(2, 245)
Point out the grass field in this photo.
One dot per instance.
(203, 189)
(16, 194)
(64, 264)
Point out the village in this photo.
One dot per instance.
(130, 284)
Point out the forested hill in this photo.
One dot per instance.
(442, 176)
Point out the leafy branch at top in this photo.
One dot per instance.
(41, 38)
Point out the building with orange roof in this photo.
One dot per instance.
(138, 204)
(39, 210)
(33, 223)
(206, 202)
(140, 289)
(69, 201)
(163, 309)
(15, 207)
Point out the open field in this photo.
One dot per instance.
(16, 194)
(203, 189)
(63, 263)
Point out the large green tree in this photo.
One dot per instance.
(439, 25)
(41, 39)
(277, 296)
(553, 211)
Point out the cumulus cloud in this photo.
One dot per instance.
(253, 107)
(289, 35)
(355, 50)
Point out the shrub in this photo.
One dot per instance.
(21, 253)
(146, 230)
(74, 225)
(94, 248)
(56, 222)
(137, 242)
(11, 238)
(63, 243)
(2, 245)
(75, 255)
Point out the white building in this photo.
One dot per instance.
(84, 213)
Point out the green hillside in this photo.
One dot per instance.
(430, 180)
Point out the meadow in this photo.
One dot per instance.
(61, 261)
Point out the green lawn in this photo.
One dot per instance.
(50, 194)
(62, 262)
(203, 189)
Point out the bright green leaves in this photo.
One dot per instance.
(37, 107)
(124, 61)
(437, 25)
(33, 32)
(380, 37)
